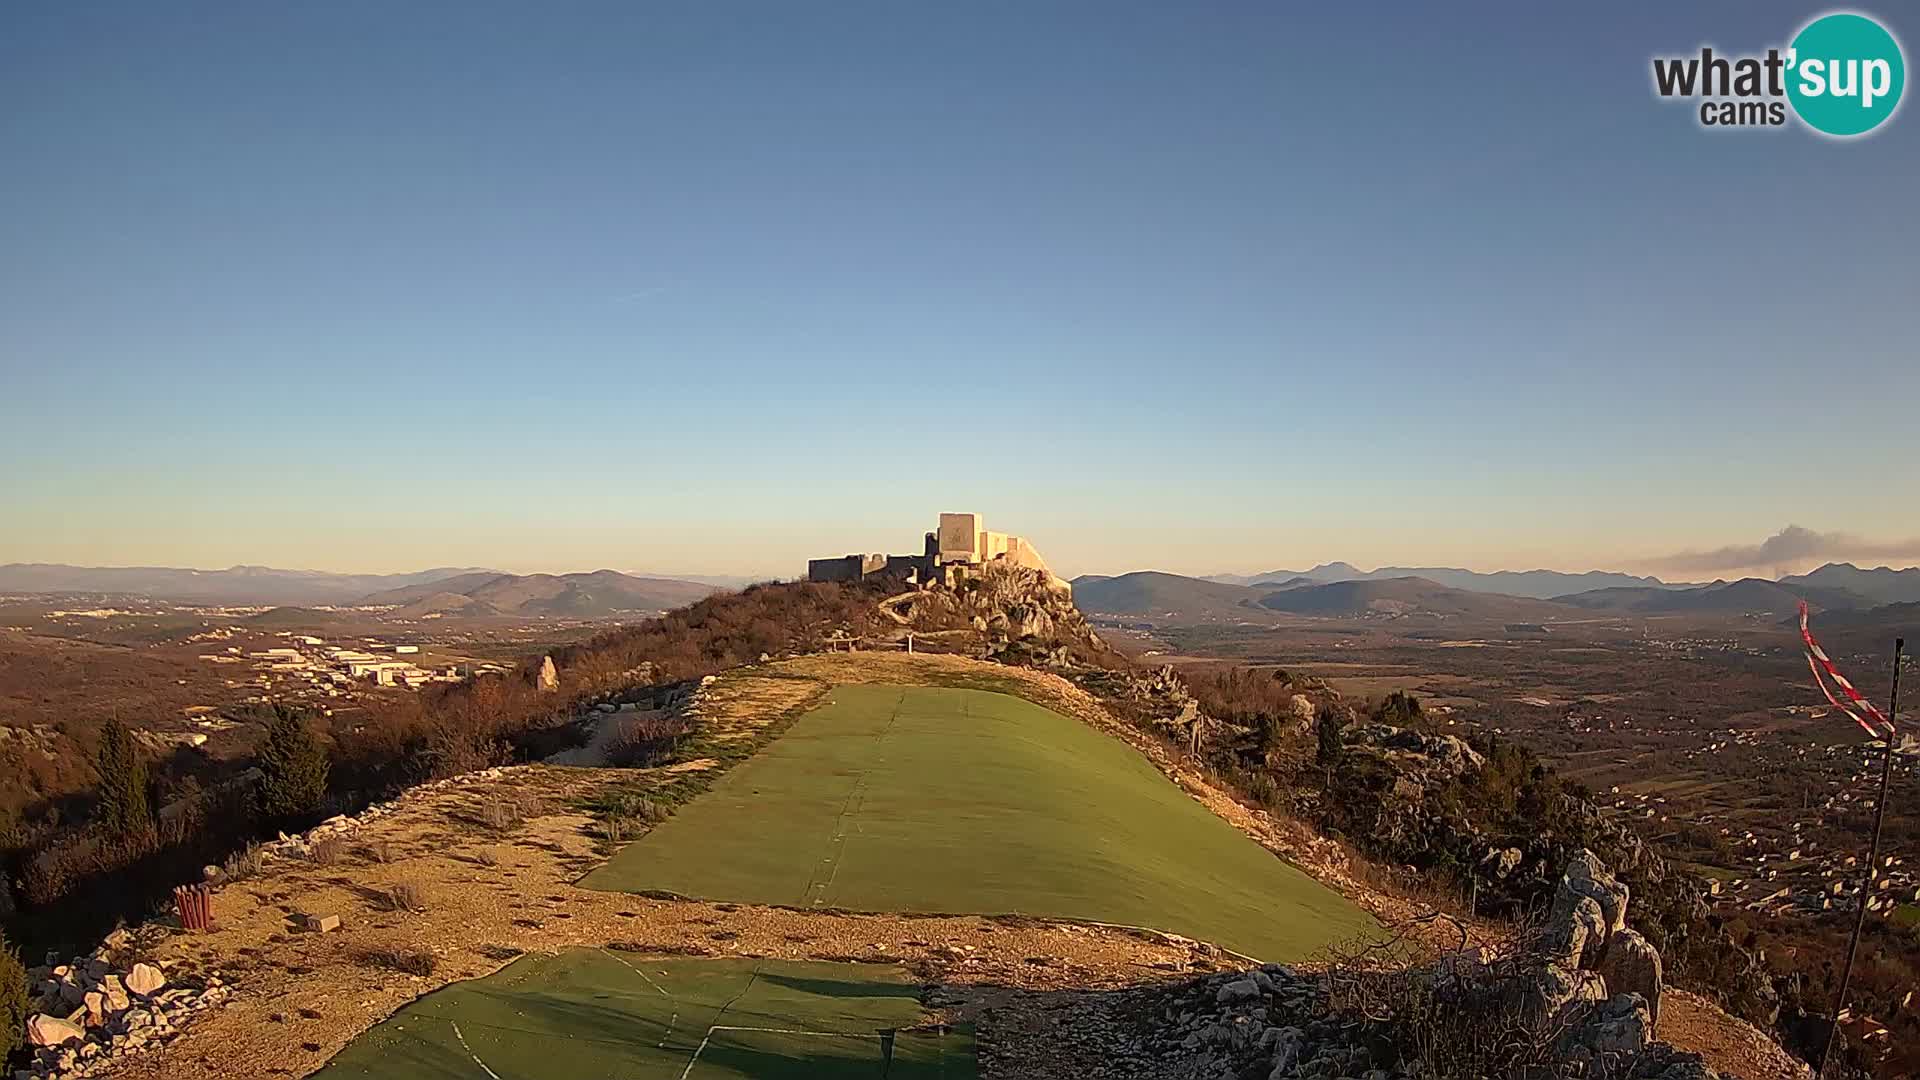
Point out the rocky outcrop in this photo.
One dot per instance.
(1598, 982)
(1573, 1021)
(1631, 965)
(1157, 696)
(1275, 1023)
(1447, 755)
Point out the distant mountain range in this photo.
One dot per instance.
(1748, 596)
(1150, 592)
(1880, 585)
(234, 585)
(603, 592)
(1326, 591)
(1886, 620)
(1404, 596)
(1538, 584)
(471, 590)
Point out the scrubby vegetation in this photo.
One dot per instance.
(116, 859)
(405, 961)
(13, 998)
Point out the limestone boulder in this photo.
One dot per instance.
(1573, 938)
(145, 980)
(1587, 876)
(1631, 965)
(1239, 990)
(1555, 990)
(1611, 1031)
(1501, 862)
(44, 1030)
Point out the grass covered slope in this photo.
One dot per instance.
(590, 1012)
(925, 799)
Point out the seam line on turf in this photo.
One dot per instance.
(856, 799)
(470, 1053)
(672, 1020)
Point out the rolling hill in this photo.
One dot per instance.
(1151, 592)
(602, 592)
(1534, 584)
(234, 585)
(1880, 585)
(1747, 596)
(1405, 596)
(1890, 620)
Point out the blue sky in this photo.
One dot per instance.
(713, 287)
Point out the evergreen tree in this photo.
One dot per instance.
(295, 766)
(13, 999)
(1332, 727)
(125, 808)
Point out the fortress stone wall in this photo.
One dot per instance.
(959, 540)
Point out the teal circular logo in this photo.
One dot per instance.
(1845, 74)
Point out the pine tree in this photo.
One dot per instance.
(1332, 727)
(125, 809)
(13, 998)
(295, 766)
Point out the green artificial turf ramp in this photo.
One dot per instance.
(590, 1013)
(927, 799)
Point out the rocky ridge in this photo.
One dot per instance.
(1580, 999)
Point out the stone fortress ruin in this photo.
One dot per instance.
(960, 545)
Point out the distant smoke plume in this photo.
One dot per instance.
(1792, 550)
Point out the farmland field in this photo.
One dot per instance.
(944, 800)
(592, 1012)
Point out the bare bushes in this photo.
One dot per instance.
(638, 740)
(404, 960)
(405, 896)
(243, 864)
(1469, 1016)
(326, 851)
(502, 812)
(627, 816)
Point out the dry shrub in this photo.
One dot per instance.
(243, 864)
(642, 739)
(502, 812)
(1461, 1019)
(455, 751)
(326, 851)
(399, 958)
(628, 815)
(403, 896)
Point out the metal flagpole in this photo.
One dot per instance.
(1873, 860)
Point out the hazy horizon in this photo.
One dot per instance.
(1805, 555)
(729, 286)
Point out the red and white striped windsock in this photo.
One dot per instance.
(1875, 723)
